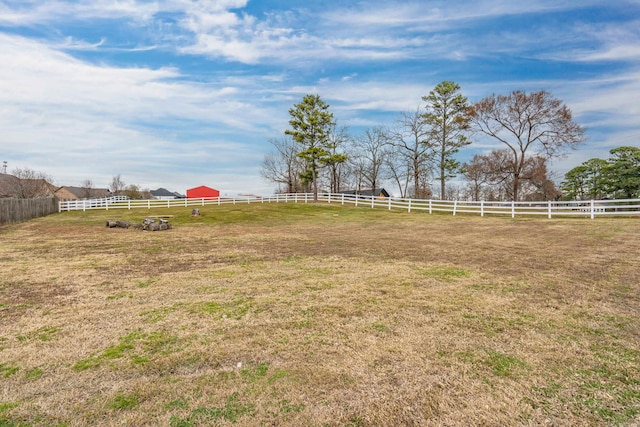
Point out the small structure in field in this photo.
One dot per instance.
(378, 193)
(203, 192)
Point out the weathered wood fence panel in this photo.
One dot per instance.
(18, 210)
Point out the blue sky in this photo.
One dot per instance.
(181, 93)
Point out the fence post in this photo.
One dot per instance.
(429, 204)
(593, 212)
(513, 209)
(455, 206)
(373, 201)
(389, 199)
(409, 208)
(357, 197)
(329, 197)
(481, 208)
(343, 198)
(549, 209)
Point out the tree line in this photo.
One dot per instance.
(421, 147)
(617, 177)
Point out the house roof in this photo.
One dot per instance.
(81, 192)
(163, 192)
(12, 186)
(203, 187)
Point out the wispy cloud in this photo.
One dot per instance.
(121, 116)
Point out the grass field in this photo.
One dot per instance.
(304, 315)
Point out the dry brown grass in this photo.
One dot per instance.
(317, 315)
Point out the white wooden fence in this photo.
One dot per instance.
(550, 209)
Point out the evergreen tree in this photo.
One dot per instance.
(310, 124)
(448, 121)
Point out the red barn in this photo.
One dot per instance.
(203, 192)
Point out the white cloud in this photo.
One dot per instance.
(73, 120)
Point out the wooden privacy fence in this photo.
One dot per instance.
(18, 210)
(550, 209)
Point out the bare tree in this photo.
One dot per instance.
(524, 122)
(477, 177)
(30, 184)
(117, 185)
(87, 188)
(357, 166)
(335, 162)
(398, 169)
(492, 175)
(134, 192)
(409, 138)
(372, 149)
(283, 166)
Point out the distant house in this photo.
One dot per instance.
(203, 192)
(12, 186)
(79, 193)
(164, 194)
(378, 193)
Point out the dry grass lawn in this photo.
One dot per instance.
(290, 315)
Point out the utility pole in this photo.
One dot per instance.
(4, 167)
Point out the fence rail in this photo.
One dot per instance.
(18, 210)
(550, 209)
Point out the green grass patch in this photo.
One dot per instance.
(232, 411)
(124, 402)
(138, 347)
(181, 403)
(158, 314)
(119, 296)
(7, 406)
(33, 374)
(145, 283)
(504, 365)
(254, 371)
(45, 333)
(6, 369)
(446, 274)
(380, 327)
(235, 309)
